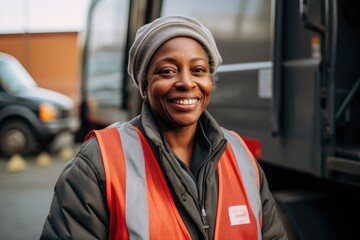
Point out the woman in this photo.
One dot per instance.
(172, 172)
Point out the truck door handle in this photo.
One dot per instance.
(275, 101)
(306, 19)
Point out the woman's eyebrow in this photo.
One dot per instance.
(173, 60)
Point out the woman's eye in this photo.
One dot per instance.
(166, 71)
(199, 70)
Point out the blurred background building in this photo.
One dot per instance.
(44, 35)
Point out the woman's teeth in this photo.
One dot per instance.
(185, 101)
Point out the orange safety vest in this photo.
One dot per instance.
(141, 205)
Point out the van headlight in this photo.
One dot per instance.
(47, 112)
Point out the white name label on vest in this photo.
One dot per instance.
(239, 215)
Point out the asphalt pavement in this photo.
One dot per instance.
(25, 196)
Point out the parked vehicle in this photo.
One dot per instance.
(289, 84)
(31, 118)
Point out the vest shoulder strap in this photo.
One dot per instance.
(229, 135)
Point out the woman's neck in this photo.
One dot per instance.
(182, 142)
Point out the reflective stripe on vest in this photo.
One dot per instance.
(140, 202)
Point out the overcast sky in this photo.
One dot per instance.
(18, 16)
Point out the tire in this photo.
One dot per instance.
(16, 137)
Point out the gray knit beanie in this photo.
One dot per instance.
(152, 35)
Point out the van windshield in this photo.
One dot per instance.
(14, 77)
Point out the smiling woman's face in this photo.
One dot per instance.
(179, 83)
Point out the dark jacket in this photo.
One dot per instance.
(79, 209)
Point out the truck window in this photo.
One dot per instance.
(14, 77)
(104, 67)
(243, 28)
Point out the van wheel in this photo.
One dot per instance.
(16, 137)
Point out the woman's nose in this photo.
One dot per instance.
(185, 81)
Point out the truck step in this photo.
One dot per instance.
(349, 152)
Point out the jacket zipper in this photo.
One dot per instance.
(204, 218)
(205, 222)
(206, 225)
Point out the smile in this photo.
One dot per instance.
(185, 101)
